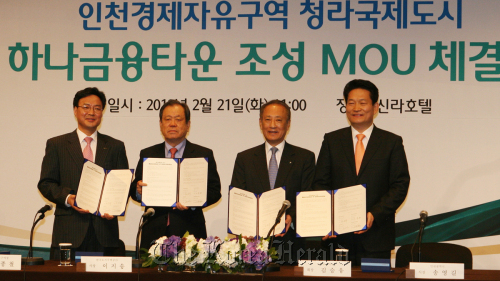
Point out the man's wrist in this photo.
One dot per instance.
(66, 202)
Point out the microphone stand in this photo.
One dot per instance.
(30, 260)
(137, 262)
(420, 234)
(273, 267)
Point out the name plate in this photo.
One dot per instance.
(326, 268)
(10, 262)
(107, 264)
(438, 270)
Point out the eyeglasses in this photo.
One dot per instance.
(87, 107)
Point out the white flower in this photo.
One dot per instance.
(181, 258)
(155, 249)
(228, 253)
(190, 243)
(263, 245)
(202, 252)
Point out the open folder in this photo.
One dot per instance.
(172, 180)
(331, 212)
(103, 191)
(253, 214)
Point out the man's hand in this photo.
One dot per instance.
(181, 207)
(107, 216)
(328, 237)
(369, 223)
(71, 202)
(288, 221)
(140, 184)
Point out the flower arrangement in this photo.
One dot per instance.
(211, 255)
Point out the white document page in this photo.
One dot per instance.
(270, 203)
(314, 213)
(193, 182)
(242, 217)
(115, 192)
(349, 209)
(160, 175)
(90, 187)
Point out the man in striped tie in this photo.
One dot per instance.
(276, 163)
(61, 170)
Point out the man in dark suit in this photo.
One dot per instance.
(174, 125)
(294, 165)
(60, 176)
(343, 161)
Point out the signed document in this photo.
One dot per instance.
(314, 213)
(349, 209)
(102, 191)
(270, 203)
(115, 192)
(331, 212)
(242, 218)
(252, 214)
(193, 181)
(160, 175)
(170, 181)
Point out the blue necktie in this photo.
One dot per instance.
(273, 167)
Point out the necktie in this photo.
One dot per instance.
(173, 150)
(273, 167)
(360, 151)
(87, 151)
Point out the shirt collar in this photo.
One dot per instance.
(367, 132)
(82, 135)
(280, 146)
(179, 147)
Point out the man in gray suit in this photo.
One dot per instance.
(61, 170)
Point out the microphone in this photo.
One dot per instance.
(286, 205)
(149, 213)
(423, 217)
(45, 208)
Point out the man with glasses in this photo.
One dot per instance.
(61, 170)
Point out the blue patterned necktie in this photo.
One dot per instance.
(273, 167)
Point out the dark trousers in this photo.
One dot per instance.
(89, 244)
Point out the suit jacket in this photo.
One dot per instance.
(61, 170)
(180, 221)
(295, 172)
(384, 170)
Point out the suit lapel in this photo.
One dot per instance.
(189, 150)
(285, 166)
(347, 143)
(371, 148)
(75, 149)
(101, 150)
(260, 164)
